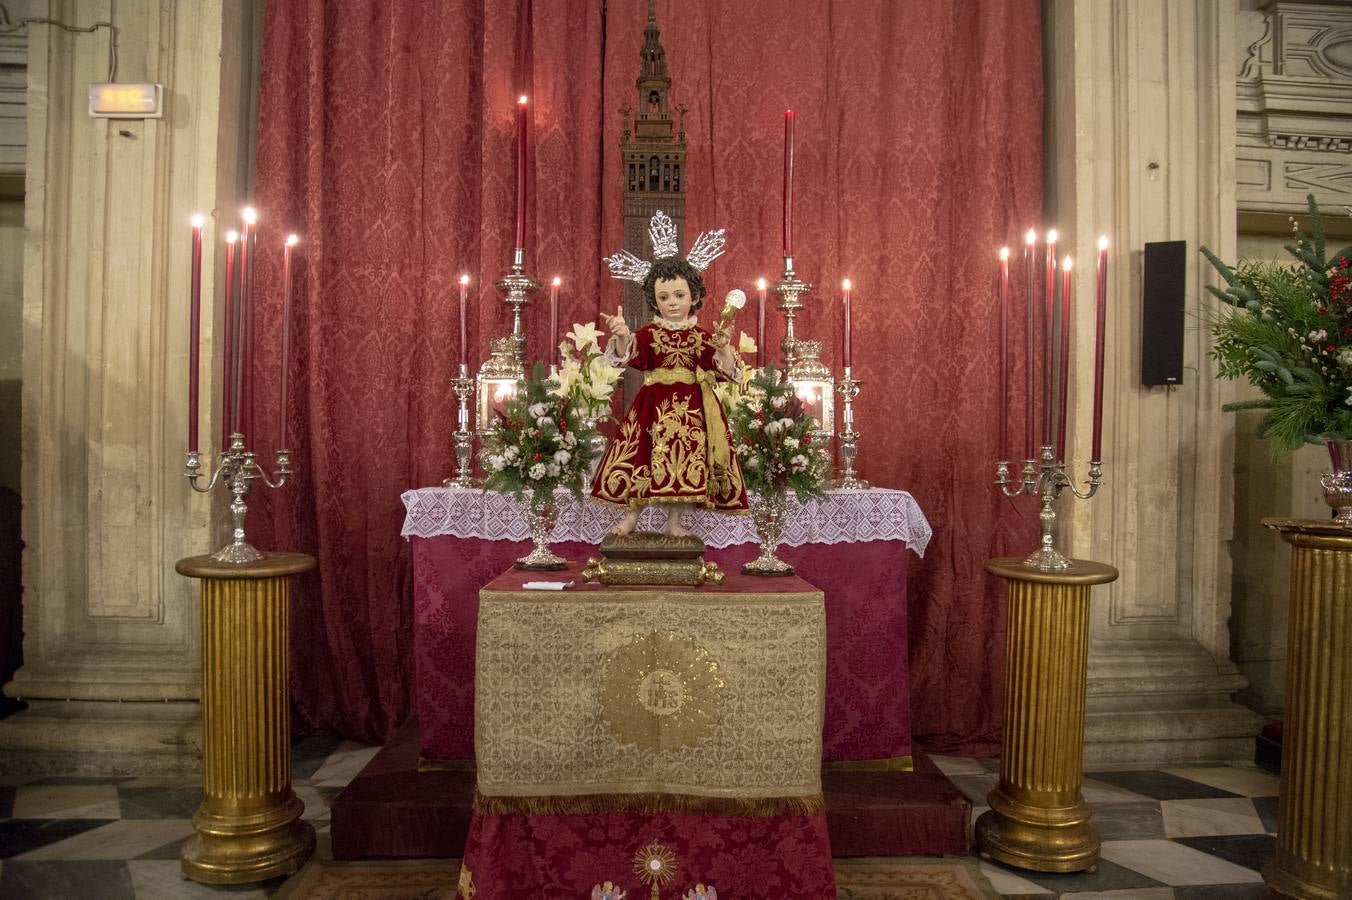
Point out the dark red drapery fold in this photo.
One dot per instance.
(385, 139)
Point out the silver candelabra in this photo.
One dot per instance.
(237, 469)
(517, 286)
(789, 290)
(1047, 482)
(848, 388)
(464, 437)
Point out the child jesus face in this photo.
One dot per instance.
(673, 299)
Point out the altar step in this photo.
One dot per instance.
(393, 810)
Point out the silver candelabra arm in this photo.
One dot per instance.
(237, 469)
(1091, 486)
(1047, 482)
(1026, 485)
(283, 470)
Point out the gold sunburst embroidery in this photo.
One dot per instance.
(661, 691)
(655, 865)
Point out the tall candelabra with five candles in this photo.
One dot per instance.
(1045, 473)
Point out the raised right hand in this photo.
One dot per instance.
(618, 327)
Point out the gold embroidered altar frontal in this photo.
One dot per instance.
(695, 693)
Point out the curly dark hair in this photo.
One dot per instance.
(671, 267)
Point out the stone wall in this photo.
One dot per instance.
(1293, 137)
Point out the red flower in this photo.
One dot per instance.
(1323, 310)
(537, 458)
(1328, 348)
(807, 439)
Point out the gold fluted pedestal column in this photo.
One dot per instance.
(1314, 812)
(248, 827)
(1038, 819)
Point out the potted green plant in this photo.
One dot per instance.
(1286, 327)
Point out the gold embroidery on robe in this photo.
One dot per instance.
(673, 444)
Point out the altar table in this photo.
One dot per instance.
(852, 545)
(622, 727)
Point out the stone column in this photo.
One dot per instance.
(111, 655)
(1140, 146)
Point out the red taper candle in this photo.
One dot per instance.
(1064, 389)
(194, 328)
(522, 107)
(554, 322)
(1004, 353)
(760, 324)
(1048, 342)
(789, 117)
(230, 328)
(1030, 421)
(464, 340)
(248, 247)
(1096, 455)
(291, 241)
(845, 289)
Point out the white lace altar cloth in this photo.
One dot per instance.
(875, 514)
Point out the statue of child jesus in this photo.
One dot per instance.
(674, 446)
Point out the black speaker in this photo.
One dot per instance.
(1165, 271)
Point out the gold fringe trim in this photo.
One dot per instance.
(590, 804)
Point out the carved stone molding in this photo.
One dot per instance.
(1293, 104)
(13, 88)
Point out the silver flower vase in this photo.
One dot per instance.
(1338, 483)
(542, 514)
(598, 442)
(770, 513)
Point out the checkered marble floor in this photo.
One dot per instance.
(1176, 833)
(1186, 833)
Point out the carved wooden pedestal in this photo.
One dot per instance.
(1314, 814)
(1038, 819)
(248, 827)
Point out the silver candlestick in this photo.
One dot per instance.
(1048, 483)
(238, 469)
(464, 437)
(789, 290)
(518, 287)
(848, 388)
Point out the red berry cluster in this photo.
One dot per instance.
(1340, 292)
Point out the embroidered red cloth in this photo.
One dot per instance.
(868, 714)
(508, 857)
(662, 451)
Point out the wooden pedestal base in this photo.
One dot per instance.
(1314, 812)
(249, 826)
(1038, 819)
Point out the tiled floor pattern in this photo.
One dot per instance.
(1187, 833)
(1190, 833)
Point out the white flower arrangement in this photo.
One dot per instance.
(588, 379)
(541, 442)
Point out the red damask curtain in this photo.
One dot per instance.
(385, 139)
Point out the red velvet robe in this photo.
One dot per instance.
(661, 452)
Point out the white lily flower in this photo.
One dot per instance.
(586, 337)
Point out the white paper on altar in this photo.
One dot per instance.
(844, 516)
